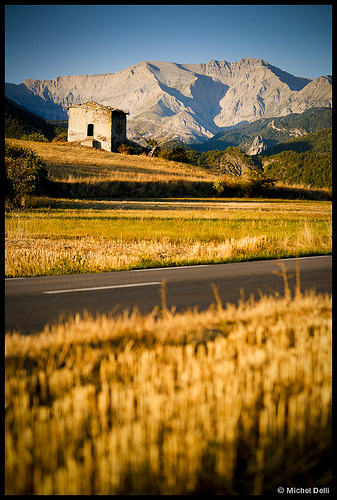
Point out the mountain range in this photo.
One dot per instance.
(187, 102)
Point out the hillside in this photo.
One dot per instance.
(82, 173)
(20, 122)
(315, 142)
(232, 161)
(188, 102)
(71, 162)
(304, 160)
(272, 130)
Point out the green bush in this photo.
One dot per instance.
(26, 174)
(35, 136)
(254, 183)
(231, 186)
(259, 180)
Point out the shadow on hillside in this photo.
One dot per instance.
(177, 189)
(297, 147)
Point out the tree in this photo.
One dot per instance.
(177, 154)
(153, 146)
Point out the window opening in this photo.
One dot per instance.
(90, 130)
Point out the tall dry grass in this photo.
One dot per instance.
(228, 401)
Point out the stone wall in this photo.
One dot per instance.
(118, 129)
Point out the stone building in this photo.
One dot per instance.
(96, 125)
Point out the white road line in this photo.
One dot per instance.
(69, 290)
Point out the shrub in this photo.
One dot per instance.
(254, 183)
(36, 136)
(222, 184)
(25, 174)
(258, 180)
(124, 149)
(231, 186)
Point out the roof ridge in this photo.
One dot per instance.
(98, 104)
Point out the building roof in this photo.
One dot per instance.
(114, 110)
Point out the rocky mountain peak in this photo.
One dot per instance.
(258, 146)
(190, 102)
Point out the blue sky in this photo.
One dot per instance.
(47, 41)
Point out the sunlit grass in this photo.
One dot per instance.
(228, 401)
(62, 241)
(130, 228)
(69, 162)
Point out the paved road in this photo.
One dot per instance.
(31, 303)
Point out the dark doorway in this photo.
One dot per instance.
(90, 130)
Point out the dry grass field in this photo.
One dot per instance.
(228, 401)
(72, 235)
(233, 400)
(112, 236)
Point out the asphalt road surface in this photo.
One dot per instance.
(31, 303)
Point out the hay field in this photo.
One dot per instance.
(93, 236)
(228, 401)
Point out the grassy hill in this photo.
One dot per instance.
(79, 172)
(72, 162)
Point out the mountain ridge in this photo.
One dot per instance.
(189, 102)
(272, 130)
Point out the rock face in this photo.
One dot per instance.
(190, 102)
(294, 132)
(258, 146)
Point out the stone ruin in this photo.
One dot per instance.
(97, 126)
